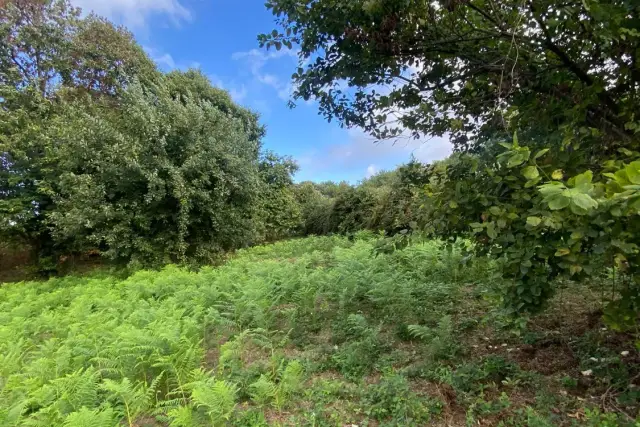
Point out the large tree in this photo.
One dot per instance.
(469, 68)
(159, 179)
(100, 150)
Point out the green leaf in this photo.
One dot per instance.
(494, 210)
(552, 189)
(530, 172)
(491, 230)
(541, 153)
(584, 201)
(575, 269)
(558, 202)
(515, 160)
(583, 181)
(453, 204)
(562, 252)
(532, 183)
(633, 172)
(534, 221)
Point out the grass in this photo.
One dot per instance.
(319, 331)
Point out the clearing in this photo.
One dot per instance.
(309, 332)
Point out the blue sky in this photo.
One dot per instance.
(219, 37)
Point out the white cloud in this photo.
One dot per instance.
(165, 60)
(237, 92)
(135, 13)
(372, 170)
(216, 81)
(256, 61)
(361, 152)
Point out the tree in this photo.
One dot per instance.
(279, 211)
(469, 69)
(159, 179)
(102, 58)
(99, 150)
(194, 84)
(315, 209)
(399, 197)
(45, 44)
(562, 78)
(35, 38)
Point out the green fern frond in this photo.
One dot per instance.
(78, 389)
(290, 382)
(219, 400)
(263, 390)
(420, 332)
(92, 418)
(182, 417)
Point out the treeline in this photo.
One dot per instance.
(388, 202)
(100, 152)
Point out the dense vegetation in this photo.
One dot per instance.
(308, 332)
(102, 152)
(540, 98)
(499, 286)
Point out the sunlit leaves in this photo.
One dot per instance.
(557, 174)
(534, 221)
(530, 172)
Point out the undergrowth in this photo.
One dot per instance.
(322, 331)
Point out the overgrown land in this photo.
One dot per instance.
(159, 266)
(309, 332)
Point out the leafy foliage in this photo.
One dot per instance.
(103, 153)
(564, 77)
(464, 68)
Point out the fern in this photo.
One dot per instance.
(182, 417)
(91, 418)
(73, 350)
(441, 340)
(77, 390)
(420, 332)
(135, 398)
(290, 382)
(217, 398)
(263, 390)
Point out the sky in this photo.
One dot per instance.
(219, 37)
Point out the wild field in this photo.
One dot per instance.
(321, 331)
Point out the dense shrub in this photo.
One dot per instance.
(101, 151)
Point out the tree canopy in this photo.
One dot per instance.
(468, 69)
